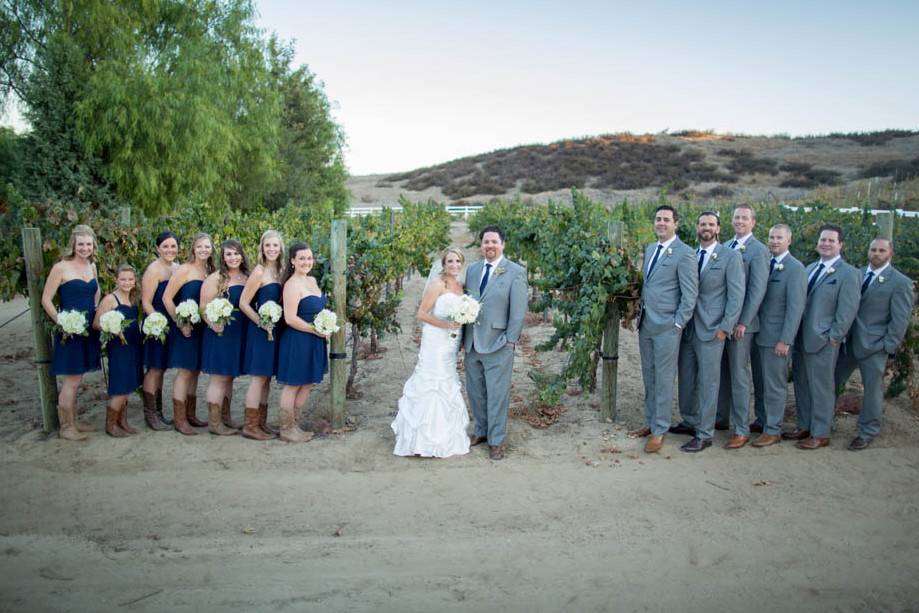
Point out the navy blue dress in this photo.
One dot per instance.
(185, 352)
(79, 354)
(155, 352)
(125, 361)
(303, 358)
(223, 355)
(261, 357)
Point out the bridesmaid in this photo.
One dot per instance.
(222, 350)
(153, 285)
(302, 359)
(125, 360)
(261, 357)
(75, 277)
(184, 345)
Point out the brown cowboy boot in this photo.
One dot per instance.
(290, 430)
(181, 421)
(191, 409)
(152, 416)
(215, 424)
(251, 427)
(159, 407)
(226, 416)
(263, 420)
(112, 427)
(123, 419)
(68, 430)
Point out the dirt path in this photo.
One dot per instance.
(165, 522)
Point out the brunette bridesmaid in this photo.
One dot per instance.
(153, 285)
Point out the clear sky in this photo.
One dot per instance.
(418, 83)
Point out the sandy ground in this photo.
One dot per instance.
(576, 518)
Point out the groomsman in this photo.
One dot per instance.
(736, 377)
(668, 296)
(779, 320)
(832, 303)
(880, 325)
(721, 290)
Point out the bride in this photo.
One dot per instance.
(432, 416)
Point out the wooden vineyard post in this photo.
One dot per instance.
(885, 225)
(35, 272)
(337, 355)
(610, 346)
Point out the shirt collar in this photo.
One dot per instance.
(710, 249)
(879, 270)
(742, 240)
(829, 263)
(780, 257)
(496, 262)
(666, 244)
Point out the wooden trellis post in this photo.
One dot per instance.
(337, 355)
(35, 272)
(885, 225)
(610, 345)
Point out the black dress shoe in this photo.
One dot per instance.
(722, 425)
(682, 428)
(477, 440)
(858, 443)
(796, 435)
(696, 445)
(756, 427)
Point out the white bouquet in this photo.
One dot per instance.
(326, 322)
(187, 313)
(155, 326)
(113, 324)
(465, 312)
(71, 323)
(268, 315)
(219, 311)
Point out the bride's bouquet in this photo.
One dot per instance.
(326, 322)
(113, 324)
(71, 323)
(187, 313)
(269, 314)
(465, 312)
(219, 311)
(155, 326)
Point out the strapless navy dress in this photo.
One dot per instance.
(125, 361)
(156, 353)
(185, 352)
(303, 358)
(79, 354)
(261, 357)
(223, 354)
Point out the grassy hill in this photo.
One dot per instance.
(690, 164)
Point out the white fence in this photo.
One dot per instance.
(855, 209)
(453, 209)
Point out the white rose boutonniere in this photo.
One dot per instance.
(780, 267)
(500, 270)
(714, 255)
(669, 251)
(830, 270)
(742, 248)
(881, 279)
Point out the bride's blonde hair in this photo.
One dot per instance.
(454, 250)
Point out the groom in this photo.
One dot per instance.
(500, 286)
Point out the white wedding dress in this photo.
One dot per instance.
(432, 418)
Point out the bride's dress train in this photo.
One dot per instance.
(432, 418)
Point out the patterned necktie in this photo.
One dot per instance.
(701, 260)
(814, 277)
(771, 265)
(654, 258)
(867, 282)
(484, 278)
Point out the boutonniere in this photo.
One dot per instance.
(669, 251)
(742, 248)
(881, 279)
(714, 256)
(500, 270)
(830, 270)
(780, 267)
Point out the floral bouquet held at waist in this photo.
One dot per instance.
(219, 311)
(187, 313)
(113, 324)
(326, 322)
(465, 312)
(156, 326)
(269, 314)
(71, 323)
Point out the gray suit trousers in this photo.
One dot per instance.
(771, 377)
(488, 385)
(700, 373)
(872, 371)
(736, 381)
(756, 366)
(815, 391)
(658, 369)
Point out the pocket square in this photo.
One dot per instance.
(774, 280)
(833, 282)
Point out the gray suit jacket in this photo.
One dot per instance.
(721, 292)
(831, 307)
(503, 306)
(883, 314)
(668, 294)
(756, 268)
(783, 306)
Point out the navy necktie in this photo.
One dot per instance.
(654, 258)
(701, 260)
(867, 281)
(484, 278)
(814, 277)
(771, 265)
(734, 244)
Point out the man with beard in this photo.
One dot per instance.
(832, 303)
(721, 290)
(883, 315)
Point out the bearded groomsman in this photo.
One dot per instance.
(721, 290)
(880, 325)
(832, 303)
(736, 377)
(668, 296)
(779, 320)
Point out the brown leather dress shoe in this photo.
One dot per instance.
(477, 440)
(654, 444)
(764, 440)
(813, 443)
(736, 442)
(640, 433)
(858, 443)
(796, 435)
(496, 452)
